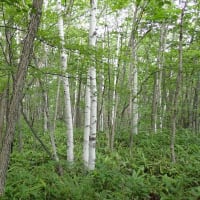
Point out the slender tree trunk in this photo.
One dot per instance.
(87, 122)
(109, 100)
(53, 127)
(35, 133)
(68, 110)
(100, 120)
(93, 120)
(100, 117)
(154, 114)
(114, 95)
(2, 115)
(45, 105)
(77, 113)
(43, 63)
(157, 110)
(135, 102)
(46, 111)
(93, 89)
(74, 96)
(68, 115)
(133, 82)
(177, 90)
(18, 86)
(20, 136)
(196, 107)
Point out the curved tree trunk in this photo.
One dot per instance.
(18, 86)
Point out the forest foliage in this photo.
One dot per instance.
(147, 174)
(146, 62)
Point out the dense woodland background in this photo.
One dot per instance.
(104, 104)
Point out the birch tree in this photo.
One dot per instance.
(133, 79)
(68, 110)
(87, 122)
(157, 109)
(91, 97)
(45, 94)
(114, 95)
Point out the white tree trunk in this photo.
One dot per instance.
(68, 111)
(45, 111)
(161, 61)
(93, 119)
(87, 123)
(101, 89)
(44, 64)
(114, 100)
(135, 101)
(75, 100)
(174, 107)
(157, 110)
(101, 117)
(134, 78)
(52, 129)
(133, 82)
(68, 114)
(93, 90)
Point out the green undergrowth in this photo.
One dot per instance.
(145, 173)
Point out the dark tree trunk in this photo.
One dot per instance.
(2, 115)
(18, 86)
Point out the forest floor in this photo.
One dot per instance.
(145, 174)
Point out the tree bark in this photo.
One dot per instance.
(77, 110)
(133, 78)
(2, 115)
(93, 89)
(19, 82)
(53, 124)
(68, 109)
(115, 95)
(87, 123)
(157, 110)
(177, 90)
